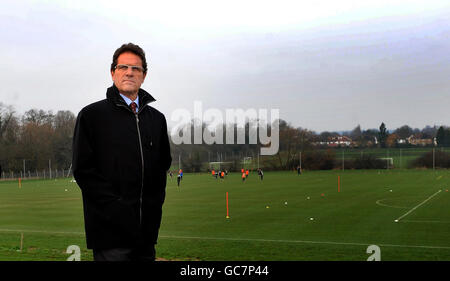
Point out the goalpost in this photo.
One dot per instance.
(218, 165)
(247, 161)
(389, 161)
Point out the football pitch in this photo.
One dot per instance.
(319, 215)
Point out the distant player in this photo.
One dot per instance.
(179, 179)
(180, 173)
(260, 173)
(299, 170)
(246, 173)
(213, 173)
(243, 176)
(222, 175)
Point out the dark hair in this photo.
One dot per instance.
(130, 47)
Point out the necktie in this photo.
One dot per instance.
(133, 107)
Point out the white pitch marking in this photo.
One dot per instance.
(426, 221)
(304, 242)
(40, 231)
(407, 213)
(243, 239)
(386, 205)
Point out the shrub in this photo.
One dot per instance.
(441, 160)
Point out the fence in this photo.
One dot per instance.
(394, 158)
(398, 157)
(36, 174)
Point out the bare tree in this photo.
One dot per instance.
(6, 117)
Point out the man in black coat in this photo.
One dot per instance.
(121, 155)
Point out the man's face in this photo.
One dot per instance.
(128, 81)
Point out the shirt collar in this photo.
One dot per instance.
(128, 101)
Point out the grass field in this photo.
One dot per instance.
(269, 219)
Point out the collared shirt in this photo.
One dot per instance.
(128, 101)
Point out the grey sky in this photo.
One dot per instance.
(327, 65)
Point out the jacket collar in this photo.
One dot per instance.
(112, 94)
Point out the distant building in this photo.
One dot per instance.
(336, 141)
(368, 143)
(413, 140)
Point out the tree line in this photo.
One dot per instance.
(35, 139)
(40, 138)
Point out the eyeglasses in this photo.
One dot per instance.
(134, 68)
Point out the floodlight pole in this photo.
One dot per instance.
(300, 159)
(387, 159)
(68, 172)
(433, 159)
(258, 160)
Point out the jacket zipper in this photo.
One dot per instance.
(142, 157)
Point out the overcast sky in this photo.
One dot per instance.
(326, 65)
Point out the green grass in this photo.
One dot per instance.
(261, 225)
